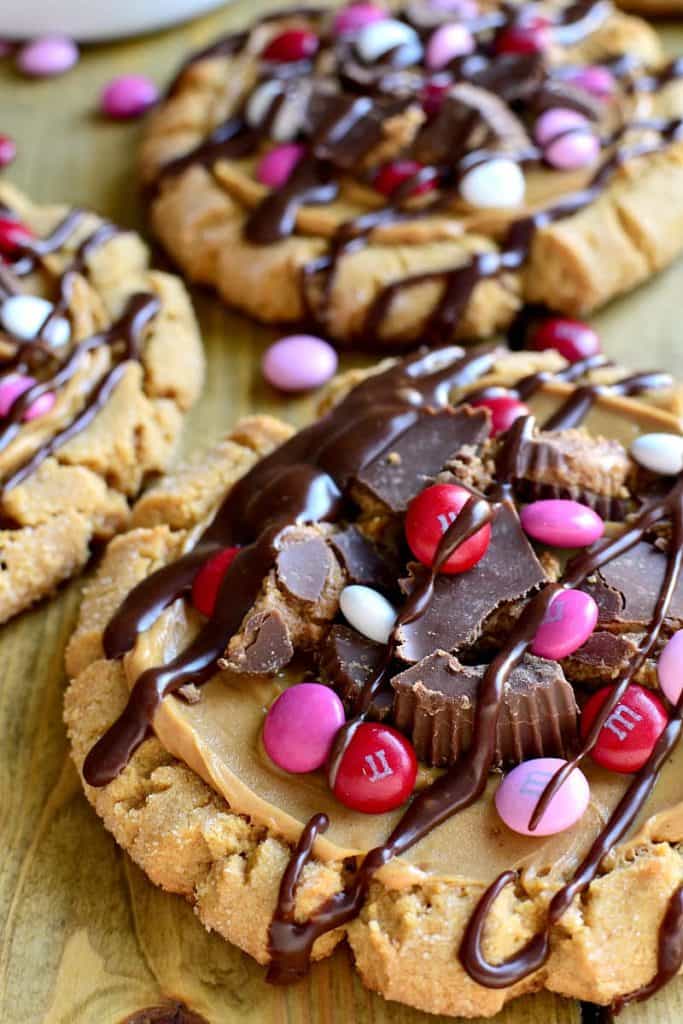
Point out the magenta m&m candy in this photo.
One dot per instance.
(446, 43)
(293, 45)
(128, 96)
(532, 35)
(208, 580)
(299, 362)
(519, 792)
(631, 731)
(569, 621)
(355, 17)
(8, 150)
(504, 409)
(301, 725)
(13, 234)
(376, 771)
(429, 516)
(562, 523)
(573, 339)
(16, 384)
(392, 176)
(276, 166)
(670, 668)
(47, 56)
(595, 79)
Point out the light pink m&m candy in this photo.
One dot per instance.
(301, 725)
(521, 789)
(128, 96)
(562, 523)
(276, 166)
(567, 137)
(46, 56)
(555, 121)
(14, 385)
(670, 668)
(569, 621)
(596, 80)
(357, 16)
(447, 43)
(299, 362)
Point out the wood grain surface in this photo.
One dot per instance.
(85, 938)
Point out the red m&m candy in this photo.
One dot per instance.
(376, 771)
(390, 178)
(294, 44)
(573, 339)
(13, 234)
(208, 580)
(530, 35)
(629, 735)
(504, 409)
(428, 517)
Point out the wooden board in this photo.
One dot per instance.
(85, 938)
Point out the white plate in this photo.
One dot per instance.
(87, 20)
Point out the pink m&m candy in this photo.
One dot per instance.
(13, 234)
(208, 580)
(596, 80)
(128, 96)
(8, 150)
(573, 339)
(522, 788)
(301, 725)
(670, 668)
(555, 121)
(428, 517)
(357, 16)
(504, 409)
(292, 45)
(276, 166)
(447, 43)
(572, 151)
(376, 771)
(14, 385)
(299, 362)
(629, 735)
(47, 56)
(569, 621)
(562, 523)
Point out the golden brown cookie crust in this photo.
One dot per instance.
(81, 493)
(405, 941)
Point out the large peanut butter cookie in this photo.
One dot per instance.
(472, 562)
(100, 358)
(389, 179)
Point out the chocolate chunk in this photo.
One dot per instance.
(600, 660)
(303, 568)
(362, 560)
(470, 118)
(266, 645)
(417, 455)
(461, 604)
(347, 661)
(626, 590)
(511, 76)
(435, 702)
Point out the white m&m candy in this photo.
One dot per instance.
(495, 183)
(519, 792)
(379, 37)
(368, 612)
(24, 315)
(260, 102)
(661, 453)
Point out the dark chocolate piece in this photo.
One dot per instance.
(362, 560)
(435, 705)
(347, 661)
(267, 645)
(626, 590)
(461, 604)
(603, 656)
(303, 568)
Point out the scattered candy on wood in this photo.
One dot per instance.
(357, 16)
(261, 101)
(562, 523)
(519, 792)
(299, 362)
(24, 316)
(596, 80)
(16, 384)
(629, 735)
(670, 668)
(301, 725)
(660, 453)
(569, 621)
(293, 45)
(378, 38)
(496, 183)
(504, 409)
(8, 150)
(128, 96)
(428, 518)
(391, 176)
(377, 770)
(573, 339)
(368, 611)
(47, 56)
(447, 43)
(13, 234)
(275, 167)
(208, 580)
(533, 35)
